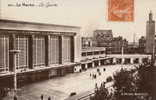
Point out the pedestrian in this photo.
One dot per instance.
(104, 84)
(80, 70)
(95, 76)
(96, 87)
(98, 70)
(41, 96)
(15, 97)
(104, 69)
(49, 98)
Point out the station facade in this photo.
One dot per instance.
(46, 50)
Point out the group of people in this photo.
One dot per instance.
(94, 75)
(49, 98)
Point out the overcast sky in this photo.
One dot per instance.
(88, 14)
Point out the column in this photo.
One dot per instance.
(114, 60)
(86, 66)
(72, 49)
(93, 64)
(30, 51)
(140, 60)
(99, 63)
(12, 40)
(60, 49)
(131, 60)
(47, 56)
(123, 60)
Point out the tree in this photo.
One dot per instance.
(146, 81)
(140, 80)
(100, 93)
(127, 83)
(124, 82)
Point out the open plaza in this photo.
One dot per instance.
(60, 88)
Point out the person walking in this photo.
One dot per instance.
(42, 97)
(49, 98)
(15, 97)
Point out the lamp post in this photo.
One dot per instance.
(122, 50)
(122, 53)
(14, 52)
(153, 55)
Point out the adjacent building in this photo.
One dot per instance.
(132, 48)
(94, 57)
(118, 43)
(103, 38)
(142, 45)
(87, 42)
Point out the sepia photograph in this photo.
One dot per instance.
(77, 50)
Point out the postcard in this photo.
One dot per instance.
(77, 50)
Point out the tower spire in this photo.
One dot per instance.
(150, 16)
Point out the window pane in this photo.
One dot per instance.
(4, 53)
(66, 49)
(22, 57)
(54, 50)
(39, 51)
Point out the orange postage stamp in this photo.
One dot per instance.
(121, 10)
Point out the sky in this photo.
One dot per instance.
(88, 14)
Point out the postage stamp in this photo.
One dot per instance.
(121, 10)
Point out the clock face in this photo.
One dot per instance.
(121, 10)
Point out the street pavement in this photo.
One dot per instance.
(59, 88)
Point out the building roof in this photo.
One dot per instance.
(87, 37)
(102, 30)
(117, 38)
(36, 23)
(89, 49)
(34, 26)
